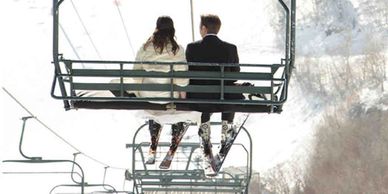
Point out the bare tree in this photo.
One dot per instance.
(350, 153)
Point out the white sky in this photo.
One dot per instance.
(27, 73)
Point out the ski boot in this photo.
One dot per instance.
(178, 130)
(209, 165)
(155, 130)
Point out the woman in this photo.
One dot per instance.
(161, 47)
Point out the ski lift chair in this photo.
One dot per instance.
(186, 174)
(70, 80)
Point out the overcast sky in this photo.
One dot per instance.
(27, 73)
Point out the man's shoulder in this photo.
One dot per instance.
(230, 45)
(194, 43)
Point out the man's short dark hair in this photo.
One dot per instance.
(211, 22)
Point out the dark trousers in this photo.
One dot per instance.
(225, 116)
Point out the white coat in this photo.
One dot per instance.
(150, 54)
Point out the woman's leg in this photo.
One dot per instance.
(155, 130)
(176, 130)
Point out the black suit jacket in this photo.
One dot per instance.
(212, 50)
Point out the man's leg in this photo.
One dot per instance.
(206, 145)
(204, 132)
(227, 132)
(227, 116)
(155, 130)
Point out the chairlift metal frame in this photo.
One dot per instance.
(39, 160)
(186, 178)
(66, 74)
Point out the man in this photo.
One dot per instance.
(212, 50)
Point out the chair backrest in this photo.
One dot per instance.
(269, 81)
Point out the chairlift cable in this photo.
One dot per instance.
(37, 119)
(71, 44)
(125, 29)
(86, 30)
(56, 134)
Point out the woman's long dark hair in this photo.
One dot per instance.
(164, 34)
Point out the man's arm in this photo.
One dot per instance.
(188, 53)
(234, 58)
(190, 56)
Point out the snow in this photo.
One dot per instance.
(101, 135)
(373, 99)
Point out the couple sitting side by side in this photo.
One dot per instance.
(162, 47)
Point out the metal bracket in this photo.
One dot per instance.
(24, 119)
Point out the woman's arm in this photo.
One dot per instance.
(180, 56)
(182, 95)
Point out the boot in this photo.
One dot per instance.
(206, 145)
(177, 129)
(155, 130)
(227, 134)
(204, 131)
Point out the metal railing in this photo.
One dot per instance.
(186, 175)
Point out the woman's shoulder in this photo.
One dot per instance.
(170, 46)
(148, 49)
(181, 48)
(147, 45)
